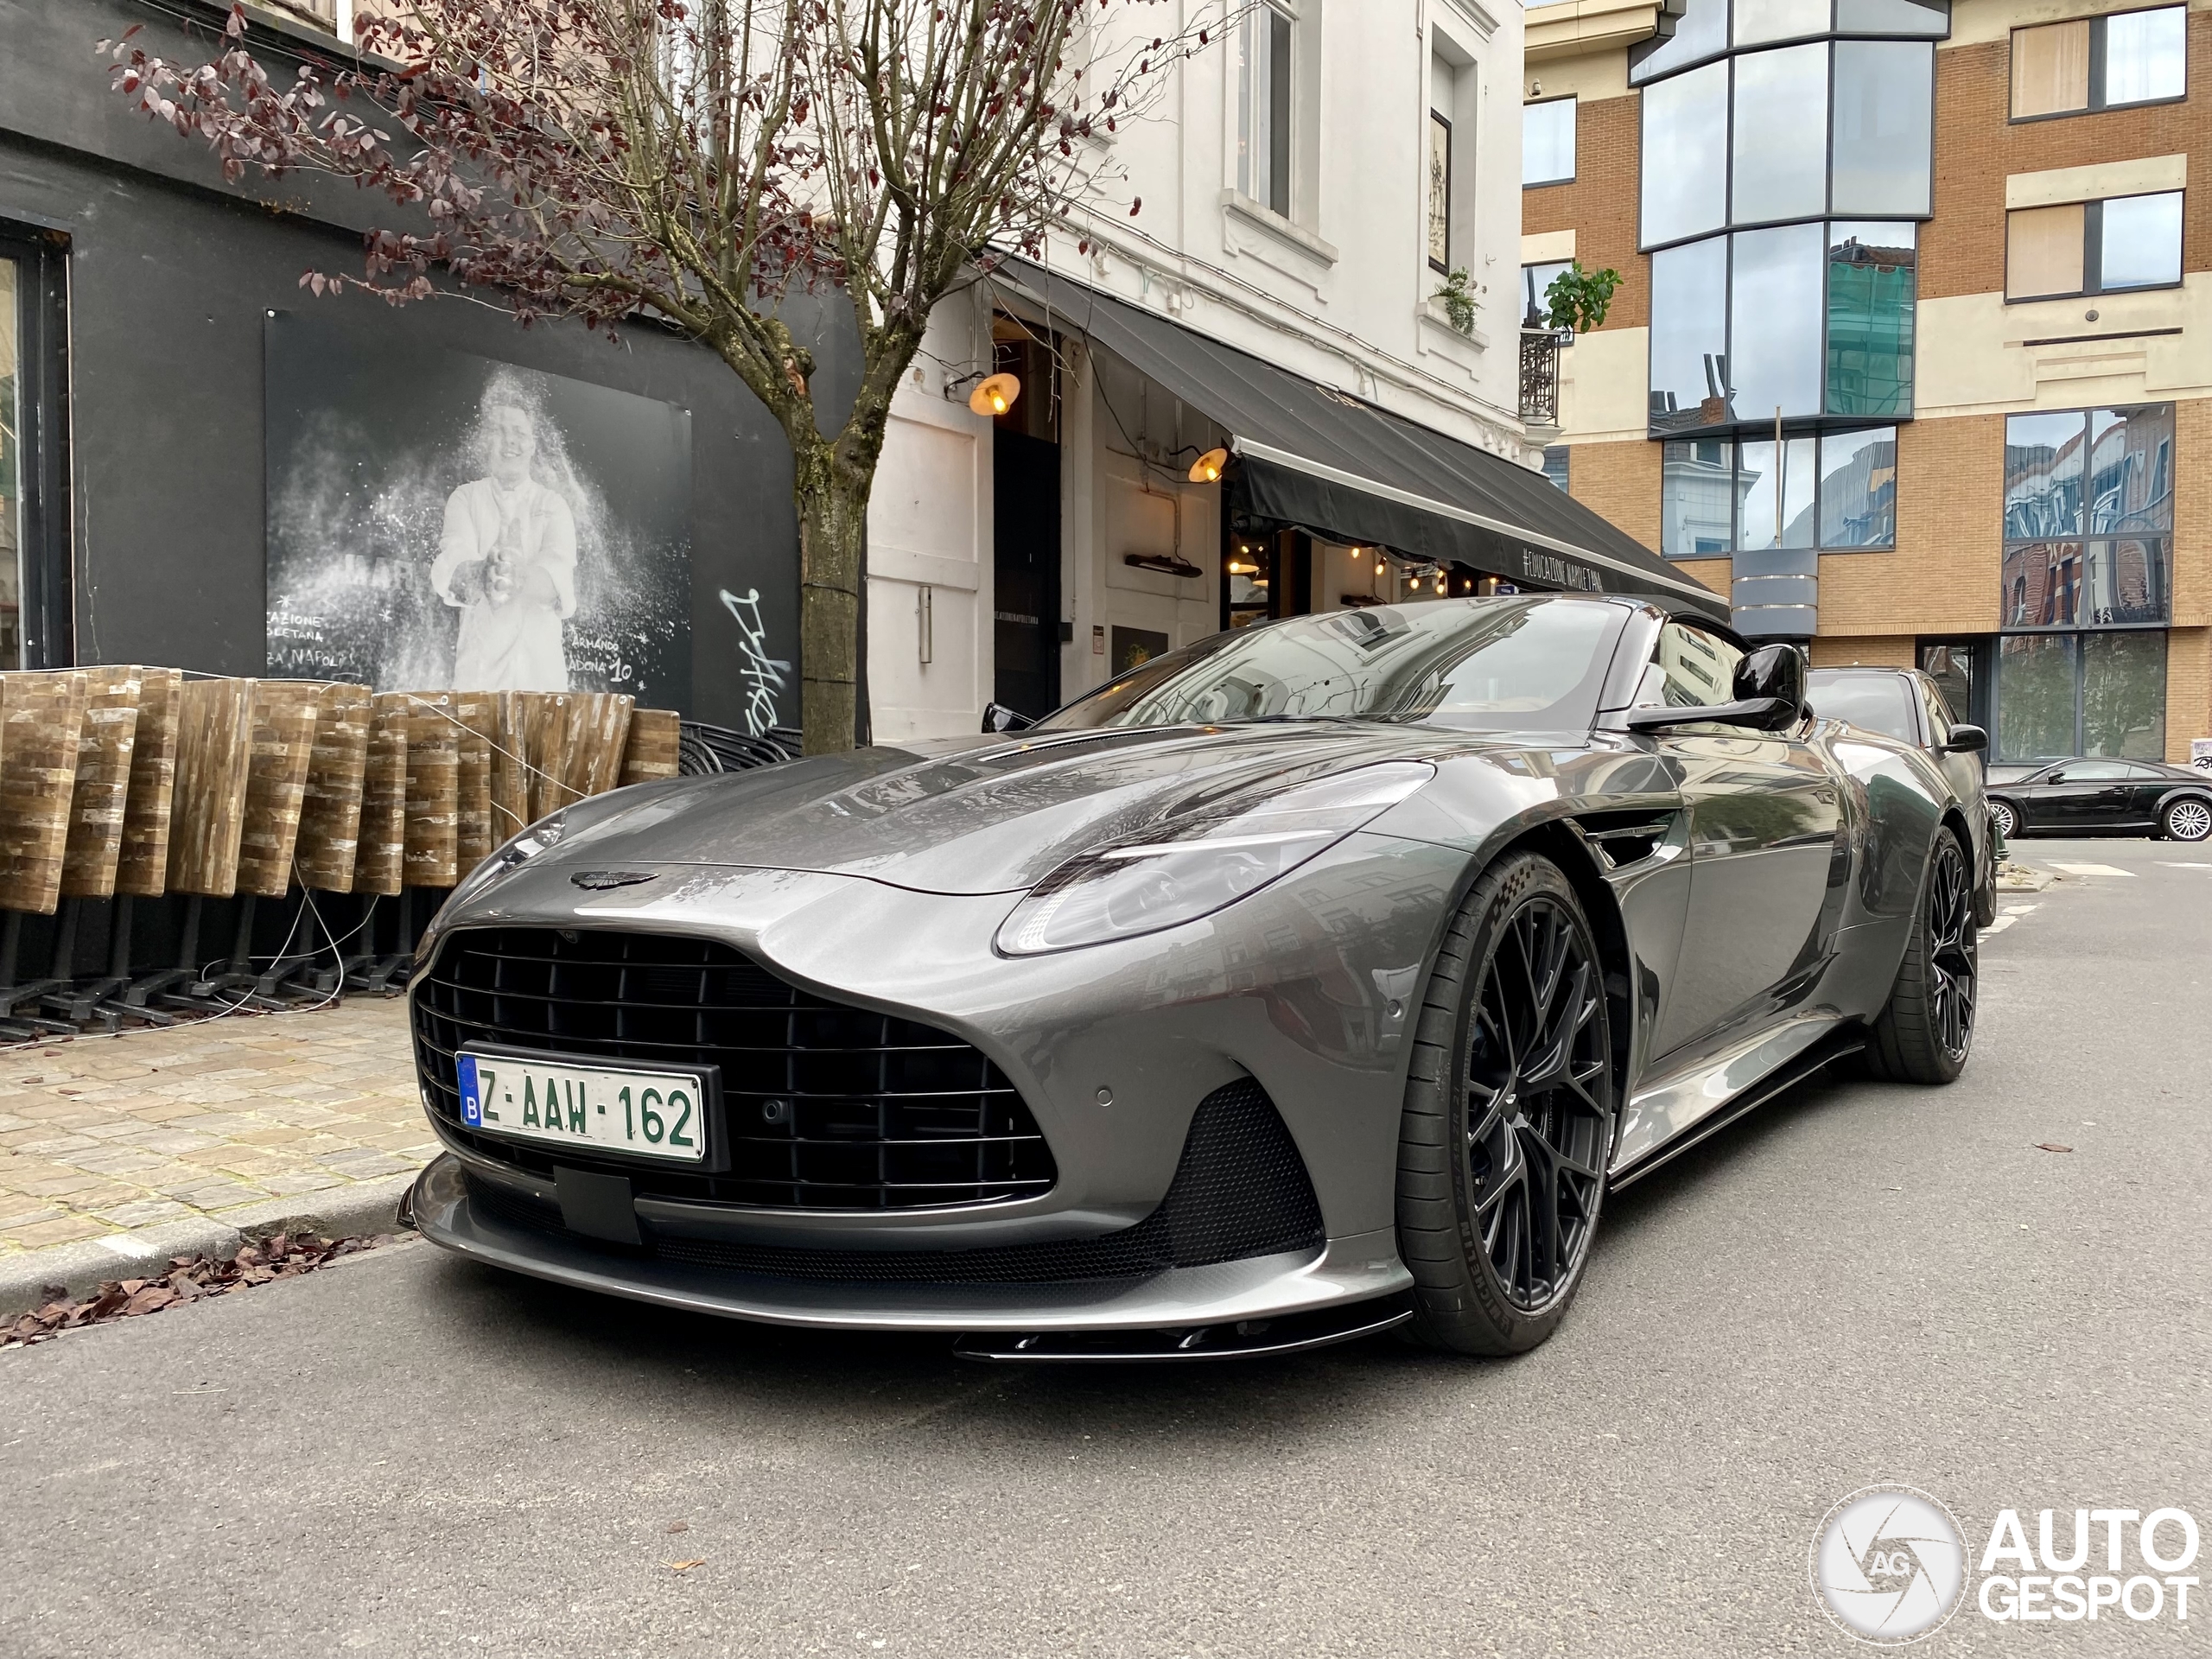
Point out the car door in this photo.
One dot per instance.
(2146, 787)
(1764, 817)
(2085, 795)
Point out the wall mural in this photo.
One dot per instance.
(438, 519)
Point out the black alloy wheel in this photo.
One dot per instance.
(1924, 1032)
(1953, 949)
(1510, 1116)
(1537, 1130)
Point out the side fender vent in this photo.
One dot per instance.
(1620, 839)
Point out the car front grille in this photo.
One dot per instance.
(828, 1106)
(1241, 1190)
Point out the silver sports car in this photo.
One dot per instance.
(1317, 978)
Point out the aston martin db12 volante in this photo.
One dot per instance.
(1313, 979)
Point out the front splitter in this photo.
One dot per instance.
(1347, 1271)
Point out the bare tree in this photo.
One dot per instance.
(696, 161)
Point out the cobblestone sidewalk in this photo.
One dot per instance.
(100, 1136)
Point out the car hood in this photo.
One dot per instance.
(969, 815)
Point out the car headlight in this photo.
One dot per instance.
(538, 837)
(1194, 865)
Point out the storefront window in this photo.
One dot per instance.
(2124, 695)
(1950, 663)
(2035, 697)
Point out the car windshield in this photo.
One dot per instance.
(1530, 663)
(1876, 703)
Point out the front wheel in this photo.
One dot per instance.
(2187, 819)
(2004, 819)
(1923, 1031)
(1508, 1118)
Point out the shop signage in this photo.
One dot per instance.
(1556, 572)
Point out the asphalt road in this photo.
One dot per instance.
(1864, 1283)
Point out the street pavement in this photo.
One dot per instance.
(1864, 1282)
(101, 1137)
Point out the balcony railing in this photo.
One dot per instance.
(1540, 376)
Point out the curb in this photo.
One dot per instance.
(80, 1268)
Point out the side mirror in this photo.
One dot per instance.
(1967, 739)
(1776, 671)
(997, 717)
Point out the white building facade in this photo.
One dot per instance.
(1308, 185)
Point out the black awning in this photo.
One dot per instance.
(1347, 470)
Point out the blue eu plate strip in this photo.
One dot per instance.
(472, 1104)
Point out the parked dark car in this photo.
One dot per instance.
(1906, 705)
(1310, 980)
(2069, 797)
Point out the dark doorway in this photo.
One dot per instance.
(1026, 558)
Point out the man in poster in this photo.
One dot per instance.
(507, 561)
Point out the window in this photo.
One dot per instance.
(1842, 128)
(2100, 63)
(1834, 491)
(1548, 142)
(1264, 106)
(1440, 192)
(2088, 518)
(1877, 703)
(1555, 463)
(1685, 183)
(1881, 127)
(1873, 282)
(1780, 161)
(2092, 247)
(2086, 582)
(1811, 319)
(2089, 694)
(1535, 284)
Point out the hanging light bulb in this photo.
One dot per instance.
(1207, 468)
(995, 394)
(1440, 581)
(1378, 566)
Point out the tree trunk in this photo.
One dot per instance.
(832, 505)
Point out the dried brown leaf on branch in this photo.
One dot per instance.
(283, 1256)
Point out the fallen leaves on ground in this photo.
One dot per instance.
(2051, 1146)
(283, 1255)
(684, 1567)
(679, 1526)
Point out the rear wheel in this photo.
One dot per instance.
(1924, 1032)
(1510, 1116)
(2187, 819)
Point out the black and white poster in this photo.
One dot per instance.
(438, 519)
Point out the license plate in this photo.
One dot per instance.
(639, 1113)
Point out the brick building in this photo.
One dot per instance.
(1913, 357)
